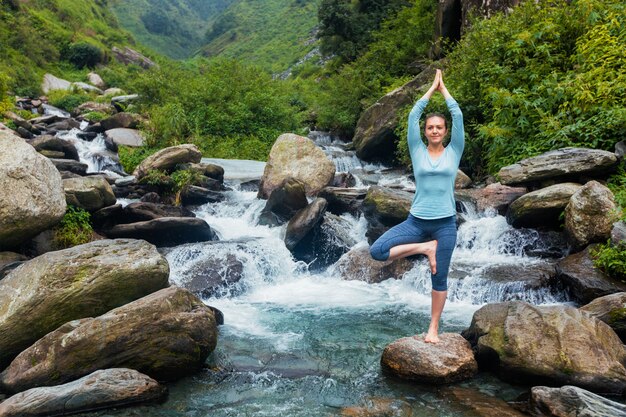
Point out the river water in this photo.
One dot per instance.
(300, 343)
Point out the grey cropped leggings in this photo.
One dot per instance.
(416, 230)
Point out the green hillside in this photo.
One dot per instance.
(175, 28)
(38, 36)
(273, 34)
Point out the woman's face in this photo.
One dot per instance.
(435, 130)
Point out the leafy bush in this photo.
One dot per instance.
(548, 75)
(159, 180)
(617, 184)
(611, 259)
(67, 100)
(74, 229)
(182, 180)
(94, 116)
(84, 54)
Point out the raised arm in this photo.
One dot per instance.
(457, 135)
(414, 139)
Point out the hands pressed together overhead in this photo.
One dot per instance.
(438, 85)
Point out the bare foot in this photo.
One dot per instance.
(431, 337)
(431, 252)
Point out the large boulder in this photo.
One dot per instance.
(164, 335)
(70, 165)
(519, 280)
(167, 159)
(304, 221)
(618, 233)
(214, 276)
(99, 390)
(450, 360)
(90, 193)
(32, 198)
(127, 137)
(357, 264)
(50, 82)
(130, 56)
(495, 196)
(384, 208)
(142, 211)
(96, 80)
(611, 309)
(298, 157)
(194, 195)
(552, 344)
(82, 281)
(283, 203)
(560, 164)
(590, 214)
(375, 138)
(583, 279)
(541, 208)
(571, 401)
(165, 231)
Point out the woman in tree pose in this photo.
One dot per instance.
(430, 228)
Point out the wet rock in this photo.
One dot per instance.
(541, 208)
(108, 217)
(343, 200)
(325, 243)
(357, 264)
(298, 157)
(166, 231)
(590, 214)
(165, 335)
(9, 261)
(561, 164)
(496, 197)
(611, 309)
(99, 390)
(344, 180)
(66, 124)
(70, 165)
(571, 401)
(214, 276)
(375, 138)
(82, 281)
(304, 221)
(584, 280)
(50, 82)
(88, 136)
(121, 120)
(450, 360)
(94, 128)
(24, 133)
(283, 203)
(384, 208)
(252, 185)
(620, 149)
(93, 106)
(143, 211)
(527, 277)
(618, 233)
(462, 180)
(481, 405)
(130, 56)
(96, 80)
(194, 195)
(32, 198)
(151, 198)
(90, 193)
(127, 137)
(167, 159)
(378, 407)
(552, 344)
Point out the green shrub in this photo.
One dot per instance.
(159, 180)
(182, 180)
(130, 157)
(84, 54)
(611, 259)
(550, 74)
(617, 184)
(94, 116)
(67, 100)
(74, 229)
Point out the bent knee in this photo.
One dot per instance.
(377, 253)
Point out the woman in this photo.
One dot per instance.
(430, 228)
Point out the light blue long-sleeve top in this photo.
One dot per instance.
(434, 179)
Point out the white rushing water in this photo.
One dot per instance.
(94, 153)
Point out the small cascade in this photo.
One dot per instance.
(335, 149)
(94, 153)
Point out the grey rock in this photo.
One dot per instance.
(99, 390)
(86, 87)
(283, 203)
(480, 404)
(304, 221)
(167, 159)
(165, 231)
(51, 143)
(96, 80)
(32, 198)
(611, 309)
(384, 208)
(70, 165)
(495, 196)
(569, 401)
(121, 120)
(357, 264)
(559, 164)
(90, 193)
(541, 208)
(343, 200)
(82, 281)
(618, 233)
(127, 137)
(130, 56)
(50, 82)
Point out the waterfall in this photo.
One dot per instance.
(94, 153)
